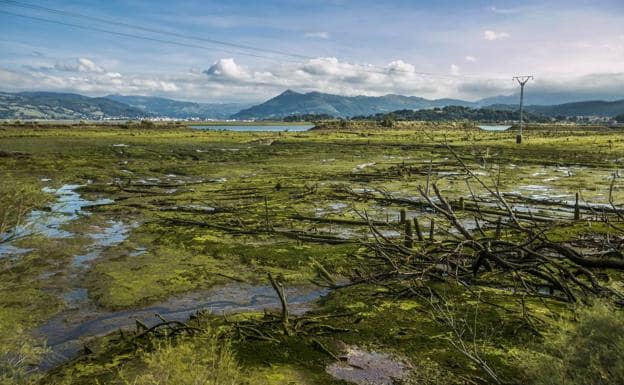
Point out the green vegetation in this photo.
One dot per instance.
(199, 210)
(457, 113)
(588, 351)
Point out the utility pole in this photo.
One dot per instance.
(522, 80)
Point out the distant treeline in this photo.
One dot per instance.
(455, 113)
(450, 113)
(308, 118)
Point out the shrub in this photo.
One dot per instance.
(146, 124)
(19, 353)
(205, 361)
(591, 352)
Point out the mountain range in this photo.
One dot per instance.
(176, 109)
(51, 105)
(294, 103)
(61, 106)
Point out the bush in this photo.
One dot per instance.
(205, 361)
(590, 353)
(19, 354)
(147, 124)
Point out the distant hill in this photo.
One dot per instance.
(178, 109)
(289, 104)
(293, 103)
(545, 98)
(588, 108)
(455, 113)
(53, 105)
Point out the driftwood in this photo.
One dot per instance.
(293, 234)
(513, 251)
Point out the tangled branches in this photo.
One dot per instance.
(504, 250)
(272, 327)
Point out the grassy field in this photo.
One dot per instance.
(187, 211)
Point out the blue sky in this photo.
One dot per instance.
(463, 49)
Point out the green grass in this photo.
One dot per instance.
(299, 174)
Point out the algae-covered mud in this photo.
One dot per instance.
(320, 257)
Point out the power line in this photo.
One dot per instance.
(362, 68)
(124, 34)
(153, 30)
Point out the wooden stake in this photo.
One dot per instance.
(279, 289)
(431, 229)
(409, 235)
(418, 231)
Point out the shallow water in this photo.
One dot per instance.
(68, 207)
(67, 332)
(494, 127)
(368, 368)
(256, 128)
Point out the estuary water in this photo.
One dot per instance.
(257, 128)
(493, 128)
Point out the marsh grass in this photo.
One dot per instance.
(587, 351)
(207, 360)
(238, 170)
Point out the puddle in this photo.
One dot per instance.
(115, 233)
(368, 368)
(66, 332)
(76, 297)
(363, 166)
(390, 233)
(332, 208)
(68, 207)
(534, 187)
(138, 251)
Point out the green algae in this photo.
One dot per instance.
(298, 173)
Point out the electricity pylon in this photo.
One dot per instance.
(522, 80)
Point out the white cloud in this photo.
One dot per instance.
(88, 65)
(82, 64)
(317, 35)
(503, 11)
(227, 80)
(471, 59)
(227, 69)
(490, 35)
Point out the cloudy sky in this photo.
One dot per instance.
(465, 49)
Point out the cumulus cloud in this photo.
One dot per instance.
(227, 80)
(88, 65)
(470, 59)
(317, 35)
(227, 69)
(82, 64)
(490, 35)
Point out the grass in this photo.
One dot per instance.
(299, 174)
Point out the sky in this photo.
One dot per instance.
(467, 49)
